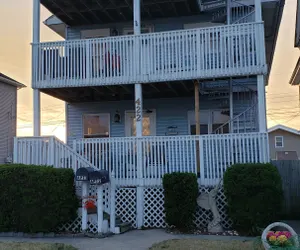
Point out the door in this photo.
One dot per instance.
(149, 123)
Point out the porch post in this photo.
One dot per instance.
(138, 86)
(261, 94)
(231, 105)
(197, 120)
(228, 11)
(258, 13)
(34, 63)
(139, 119)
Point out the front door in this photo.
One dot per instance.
(149, 123)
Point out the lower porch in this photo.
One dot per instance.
(135, 161)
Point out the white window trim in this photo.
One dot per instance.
(281, 140)
(95, 114)
(127, 128)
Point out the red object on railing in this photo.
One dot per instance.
(90, 204)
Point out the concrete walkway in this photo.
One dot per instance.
(133, 240)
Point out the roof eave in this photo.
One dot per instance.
(13, 83)
(284, 128)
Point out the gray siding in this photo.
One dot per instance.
(169, 112)
(158, 25)
(8, 98)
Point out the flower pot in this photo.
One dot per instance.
(264, 239)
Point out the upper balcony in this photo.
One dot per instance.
(220, 51)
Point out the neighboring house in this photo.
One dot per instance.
(138, 100)
(284, 143)
(8, 116)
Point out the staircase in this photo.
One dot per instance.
(244, 106)
(50, 151)
(240, 11)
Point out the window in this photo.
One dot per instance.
(278, 141)
(210, 121)
(96, 125)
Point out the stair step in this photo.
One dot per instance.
(124, 227)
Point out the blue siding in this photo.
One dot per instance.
(158, 24)
(169, 112)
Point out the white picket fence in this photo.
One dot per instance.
(228, 50)
(144, 161)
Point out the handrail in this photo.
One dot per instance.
(234, 118)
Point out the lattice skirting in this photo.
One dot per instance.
(126, 205)
(154, 214)
(153, 207)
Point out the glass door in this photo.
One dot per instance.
(149, 124)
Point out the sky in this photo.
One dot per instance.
(15, 61)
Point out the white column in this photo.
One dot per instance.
(258, 13)
(231, 105)
(34, 63)
(139, 118)
(228, 11)
(112, 203)
(100, 207)
(138, 87)
(261, 95)
(85, 193)
(36, 112)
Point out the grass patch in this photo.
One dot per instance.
(34, 246)
(193, 244)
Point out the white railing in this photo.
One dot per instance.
(243, 14)
(228, 50)
(166, 154)
(144, 161)
(48, 151)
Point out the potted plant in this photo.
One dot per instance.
(90, 206)
(287, 239)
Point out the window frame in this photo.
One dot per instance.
(94, 136)
(282, 141)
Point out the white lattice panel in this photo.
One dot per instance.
(73, 227)
(126, 205)
(203, 217)
(92, 226)
(154, 214)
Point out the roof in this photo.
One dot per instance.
(284, 128)
(10, 81)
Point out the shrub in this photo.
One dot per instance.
(254, 194)
(36, 198)
(180, 191)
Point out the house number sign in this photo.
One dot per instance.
(81, 178)
(138, 110)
